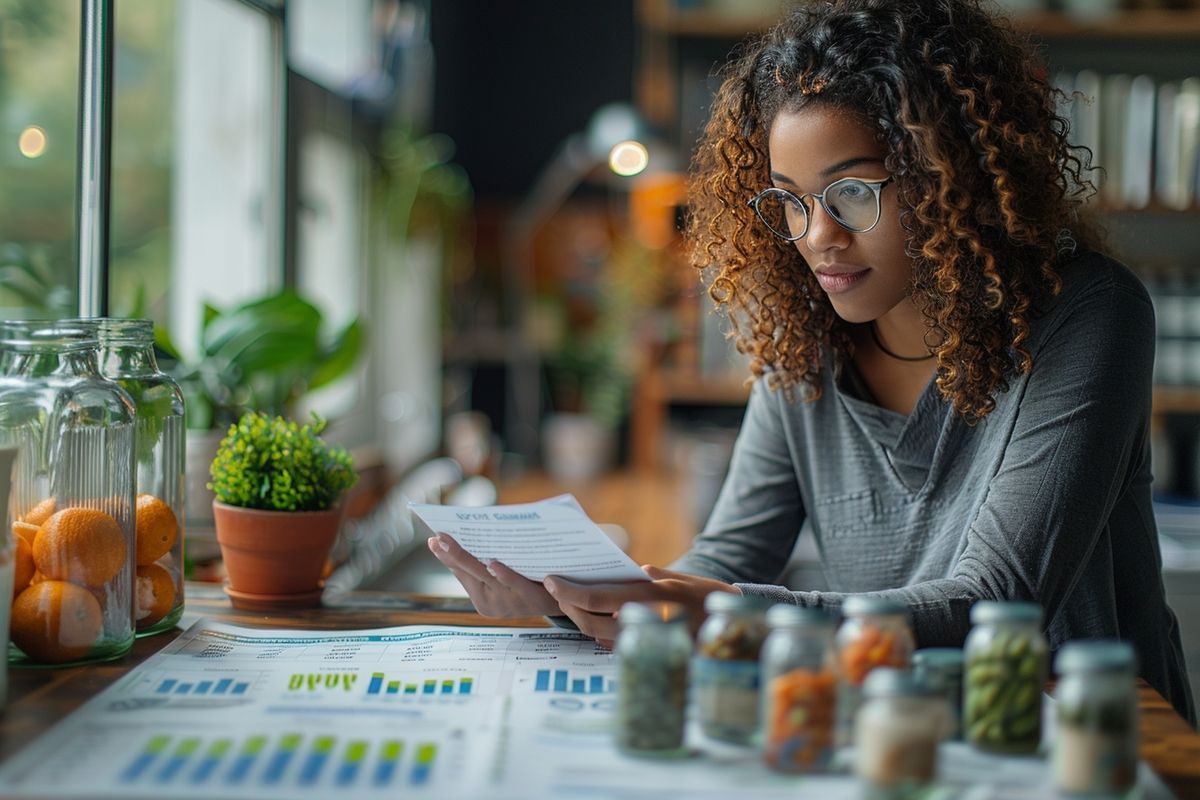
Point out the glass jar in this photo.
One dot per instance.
(653, 649)
(874, 633)
(941, 668)
(72, 493)
(1006, 658)
(799, 695)
(127, 357)
(898, 729)
(725, 670)
(1096, 736)
(16, 557)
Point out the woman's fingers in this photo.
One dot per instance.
(450, 553)
(601, 627)
(531, 594)
(600, 598)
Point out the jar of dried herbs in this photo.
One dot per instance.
(653, 649)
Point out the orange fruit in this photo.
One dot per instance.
(25, 530)
(23, 569)
(154, 595)
(81, 545)
(37, 576)
(156, 528)
(41, 512)
(55, 621)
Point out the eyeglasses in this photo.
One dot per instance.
(853, 203)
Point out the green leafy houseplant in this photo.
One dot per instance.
(273, 464)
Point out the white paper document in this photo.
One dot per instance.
(550, 537)
(416, 711)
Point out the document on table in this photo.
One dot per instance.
(417, 711)
(550, 537)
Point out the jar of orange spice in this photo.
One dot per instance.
(799, 690)
(874, 633)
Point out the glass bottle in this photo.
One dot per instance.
(941, 668)
(1006, 659)
(874, 633)
(726, 669)
(1096, 735)
(897, 732)
(127, 357)
(799, 694)
(653, 648)
(72, 493)
(16, 556)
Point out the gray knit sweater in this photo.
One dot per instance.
(1046, 499)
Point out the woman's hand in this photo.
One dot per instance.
(593, 606)
(495, 589)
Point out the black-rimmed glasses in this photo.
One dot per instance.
(853, 203)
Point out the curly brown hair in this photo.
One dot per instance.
(989, 188)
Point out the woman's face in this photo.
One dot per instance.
(866, 275)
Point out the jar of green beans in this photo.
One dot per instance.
(1006, 658)
(653, 649)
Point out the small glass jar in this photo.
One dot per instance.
(653, 649)
(799, 695)
(941, 668)
(898, 729)
(1096, 736)
(72, 493)
(16, 556)
(1006, 659)
(127, 357)
(874, 633)
(725, 671)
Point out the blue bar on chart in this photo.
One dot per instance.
(246, 759)
(351, 763)
(240, 688)
(183, 688)
(203, 686)
(212, 758)
(376, 682)
(389, 759)
(381, 685)
(310, 773)
(564, 682)
(175, 762)
(423, 764)
(283, 756)
(222, 686)
(153, 748)
(166, 686)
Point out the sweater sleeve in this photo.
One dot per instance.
(759, 511)
(1082, 416)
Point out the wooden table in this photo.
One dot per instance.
(40, 697)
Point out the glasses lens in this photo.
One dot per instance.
(853, 203)
(782, 213)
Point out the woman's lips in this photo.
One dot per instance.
(837, 282)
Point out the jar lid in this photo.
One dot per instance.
(890, 682)
(987, 611)
(1100, 655)
(860, 605)
(786, 615)
(719, 601)
(941, 659)
(631, 613)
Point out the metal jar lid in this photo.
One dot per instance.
(1100, 655)
(991, 611)
(636, 613)
(786, 615)
(862, 605)
(724, 602)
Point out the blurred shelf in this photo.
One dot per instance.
(1176, 400)
(689, 387)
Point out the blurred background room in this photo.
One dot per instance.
(452, 228)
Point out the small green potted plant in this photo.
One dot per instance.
(277, 486)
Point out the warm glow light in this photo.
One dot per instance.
(32, 141)
(628, 158)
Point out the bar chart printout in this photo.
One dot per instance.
(424, 686)
(565, 681)
(215, 687)
(288, 761)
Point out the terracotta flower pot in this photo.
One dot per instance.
(274, 558)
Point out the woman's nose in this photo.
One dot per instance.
(824, 233)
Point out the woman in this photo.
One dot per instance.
(952, 381)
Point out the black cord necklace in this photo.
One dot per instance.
(886, 352)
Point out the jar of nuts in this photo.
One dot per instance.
(726, 668)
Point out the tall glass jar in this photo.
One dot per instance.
(874, 633)
(1006, 659)
(72, 493)
(653, 649)
(1096, 736)
(799, 695)
(897, 732)
(16, 563)
(725, 671)
(127, 357)
(941, 668)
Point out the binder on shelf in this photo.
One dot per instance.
(1187, 117)
(1168, 183)
(1085, 116)
(1114, 102)
(1137, 163)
